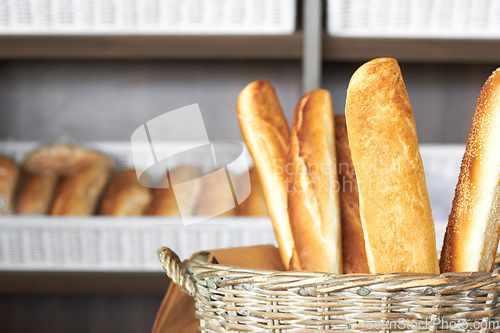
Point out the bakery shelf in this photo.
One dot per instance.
(110, 244)
(254, 47)
(412, 50)
(82, 283)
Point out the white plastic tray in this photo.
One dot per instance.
(116, 244)
(468, 19)
(136, 17)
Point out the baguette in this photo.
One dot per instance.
(78, 194)
(353, 242)
(255, 204)
(124, 195)
(266, 134)
(313, 201)
(394, 204)
(36, 193)
(471, 238)
(8, 180)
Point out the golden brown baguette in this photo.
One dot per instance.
(266, 134)
(471, 238)
(124, 195)
(255, 204)
(313, 199)
(8, 181)
(394, 204)
(78, 194)
(164, 201)
(353, 242)
(216, 198)
(36, 193)
(65, 159)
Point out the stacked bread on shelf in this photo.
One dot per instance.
(348, 194)
(69, 180)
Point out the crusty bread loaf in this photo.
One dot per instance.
(266, 134)
(353, 242)
(164, 201)
(313, 199)
(255, 204)
(471, 238)
(8, 180)
(394, 204)
(65, 159)
(124, 196)
(78, 194)
(35, 193)
(216, 196)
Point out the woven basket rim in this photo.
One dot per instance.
(199, 262)
(188, 273)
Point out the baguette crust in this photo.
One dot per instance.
(255, 204)
(124, 195)
(65, 159)
(78, 194)
(394, 204)
(36, 193)
(164, 201)
(8, 180)
(313, 201)
(471, 238)
(353, 242)
(266, 134)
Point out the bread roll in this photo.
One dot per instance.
(65, 159)
(78, 194)
(313, 198)
(394, 204)
(266, 134)
(8, 181)
(216, 197)
(36, 193)
(124, 195)
(471, 238)
(353, 242)
(255, 204)
(164, 201)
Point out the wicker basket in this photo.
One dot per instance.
(233, 299)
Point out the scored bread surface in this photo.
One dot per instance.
(353, 242)
(394, 205)
(266, 133)
(313, 198)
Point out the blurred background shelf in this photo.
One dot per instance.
(415, 50)
(117, 244)
(229, 47)
(83, 283)
(263, 47)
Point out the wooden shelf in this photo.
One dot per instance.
(273, 47)
(412, 50)
(262, 47)
(83, 283)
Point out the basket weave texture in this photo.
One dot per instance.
(234, 299)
